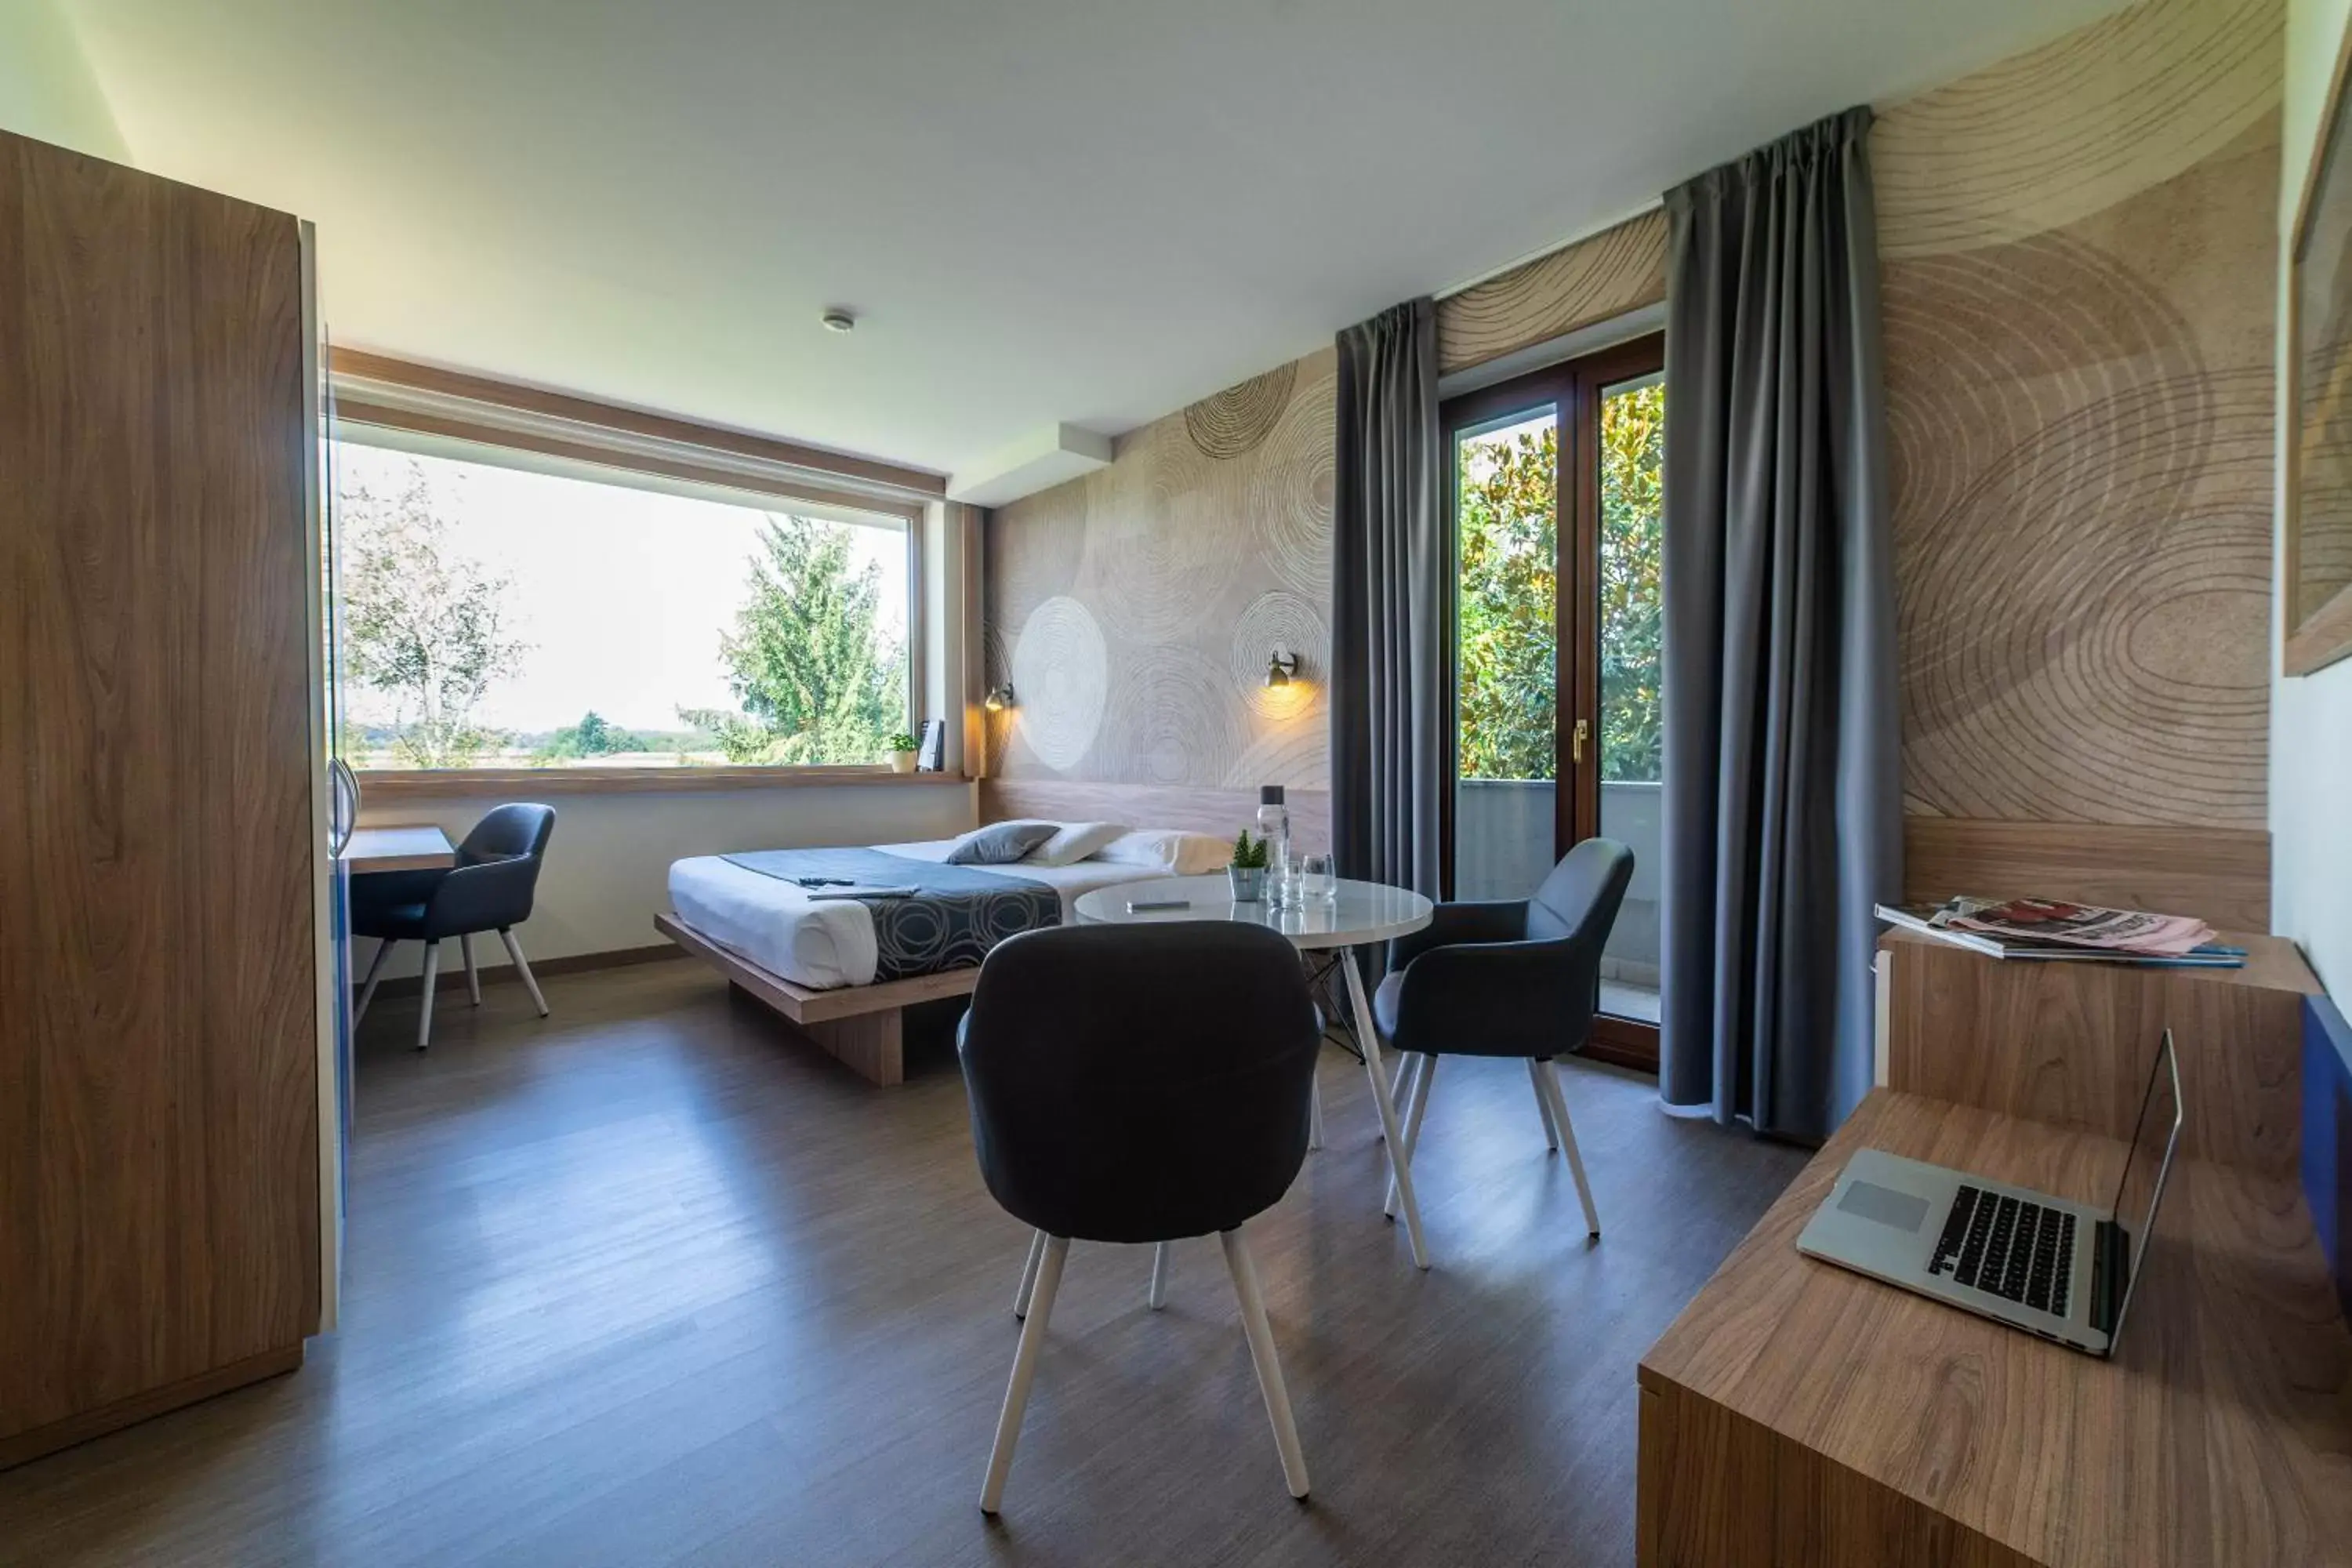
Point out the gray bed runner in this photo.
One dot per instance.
(953, 917)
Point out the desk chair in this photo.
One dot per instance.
(490, 889)
(1140, 1084)
(1507, 979)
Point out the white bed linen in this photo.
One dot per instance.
(824, 944)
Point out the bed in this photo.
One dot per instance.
(841, 976)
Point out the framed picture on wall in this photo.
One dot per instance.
(2317, 545)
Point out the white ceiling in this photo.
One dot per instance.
(1044, 210)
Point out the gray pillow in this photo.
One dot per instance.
(999, 843)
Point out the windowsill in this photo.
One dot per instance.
(400, 783)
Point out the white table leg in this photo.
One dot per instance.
(1417, 1078)
(1315, 1106)
(1157, 1297)
(1400, 1160)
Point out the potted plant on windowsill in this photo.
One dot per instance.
(1247, 872)
(901, 747)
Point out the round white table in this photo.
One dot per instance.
(1362, 913)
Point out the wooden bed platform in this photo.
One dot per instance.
(858, 1026)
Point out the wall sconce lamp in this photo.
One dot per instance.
(1281, 668)
(999, 697)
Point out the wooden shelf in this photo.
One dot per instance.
(2069, 1044)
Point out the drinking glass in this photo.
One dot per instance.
(1318, 882)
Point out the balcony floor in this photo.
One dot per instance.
(1623, 1000)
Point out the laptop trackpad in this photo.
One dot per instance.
(1885, 1204)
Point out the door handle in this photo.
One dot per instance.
(343, 813)
(1582, 734)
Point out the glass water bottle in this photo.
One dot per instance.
(1273, 826)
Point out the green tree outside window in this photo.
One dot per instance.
(423, 623)
(807, 660)
(1507, 530)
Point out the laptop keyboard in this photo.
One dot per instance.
(2019, 1251)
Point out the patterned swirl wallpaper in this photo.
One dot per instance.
(2079, 296)
(1581, 284)
(1134, 610)
(2080, 278)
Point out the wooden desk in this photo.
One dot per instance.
(422, 848)
(1798, 1413)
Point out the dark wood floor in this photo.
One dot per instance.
(646, 1283)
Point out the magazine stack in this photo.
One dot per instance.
(2048, 930)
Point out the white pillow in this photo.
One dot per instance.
(1186, 854)
(1076, 841)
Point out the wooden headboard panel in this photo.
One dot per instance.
(2222, 875)
(1223, 812)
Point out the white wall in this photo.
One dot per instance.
(608, 870)
(47, 88)
(2311, 716)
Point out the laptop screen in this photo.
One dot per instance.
(2136, 1193)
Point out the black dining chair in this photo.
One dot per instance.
(490, 889)
(1519, 978)
(1140, 1085)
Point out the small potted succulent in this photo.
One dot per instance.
(901, 747)
(1247, 873)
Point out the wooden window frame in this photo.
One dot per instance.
(1574, 389)
(376, 391)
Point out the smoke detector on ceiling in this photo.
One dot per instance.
(839, 321)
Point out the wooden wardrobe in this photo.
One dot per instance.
(159, 1002)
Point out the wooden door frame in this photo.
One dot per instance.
(1627, 1042)
(1573, 390)
(1553, 386)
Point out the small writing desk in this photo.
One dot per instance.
(1797, 1412)
(423, 848)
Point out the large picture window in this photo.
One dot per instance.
(493, 615)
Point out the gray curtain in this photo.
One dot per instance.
(1783, 808)
(1388, 602)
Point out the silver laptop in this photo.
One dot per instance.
(2062, 1270)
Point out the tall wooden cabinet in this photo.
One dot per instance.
(160, 1158)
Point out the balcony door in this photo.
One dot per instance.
(1553, 507)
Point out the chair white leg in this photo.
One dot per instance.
(1369, 1035)
(375, 971)
(1550, 1082)
(473, 976)
(424, 1002)
(1423, 1072)
(1029, 1274)
(1025, 1370)
(1543, 1103)
(514, 951)
(1157, 1295)
(1269, 1367)
(1315, 1110)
